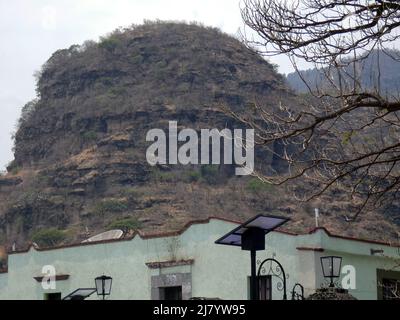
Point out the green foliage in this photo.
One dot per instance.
(111, 205)
(32, 197)
(125, 224)
(161, 70)
(167, 177)
(163, 176)
(161, 65)
(87, 45)
(256, 185)
(110, 43)
(27, 112)
(89, 136)
(116, 91)
(13, 168)
(275, 67)
(16, 170)
(48, 237)
(137, 59)
(170, 176)
(193, 176)
(209, 173)
(42, 179)
(107, 81)
(346, 137)
(131, 194)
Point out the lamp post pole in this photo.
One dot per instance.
(253, 280)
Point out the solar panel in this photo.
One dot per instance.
(264, 222)
(80, 294)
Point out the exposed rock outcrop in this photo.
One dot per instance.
(80, 147)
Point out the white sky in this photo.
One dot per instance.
(30, 31)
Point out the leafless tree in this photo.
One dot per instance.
(341, 134)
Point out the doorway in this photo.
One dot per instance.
(171, 293)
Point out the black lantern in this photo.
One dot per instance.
(103, 285)
(331, 267)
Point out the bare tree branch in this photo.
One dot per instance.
(342, 134)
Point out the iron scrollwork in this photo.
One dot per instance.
(273, 268)
(296, 295)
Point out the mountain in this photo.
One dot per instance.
(379, 69)
(80, 149)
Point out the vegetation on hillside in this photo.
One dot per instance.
(80, 146)
(48, 237)
(388, 70)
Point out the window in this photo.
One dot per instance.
(171, 293)
(171, 286)
(264, 288)
(52, 296)
(390, 289)
(388, 284)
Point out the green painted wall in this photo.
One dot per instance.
(218, 271)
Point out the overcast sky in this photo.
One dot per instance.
(30, 31)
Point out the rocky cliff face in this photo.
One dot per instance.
(80, 164)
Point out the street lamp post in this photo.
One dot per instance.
(250, 236)
(331, 267)
(103, 285)
(253, 240)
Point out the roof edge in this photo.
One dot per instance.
(179, 232)
(142, 235)
(332, 235)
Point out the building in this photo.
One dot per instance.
(189, 264)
